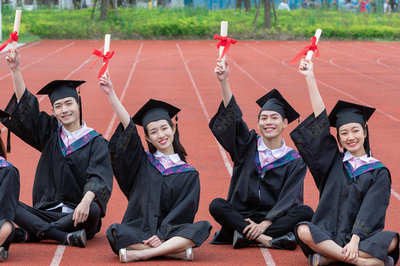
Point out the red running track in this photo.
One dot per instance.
(181, 72)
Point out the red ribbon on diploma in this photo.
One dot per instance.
(225, 42)
(106, 57)
(13, 38)
(312, 47)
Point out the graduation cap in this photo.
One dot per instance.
(154, 110)
(274, 101)
(59, 89)
(346, 112)
(5, 115)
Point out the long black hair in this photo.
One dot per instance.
(2, 148)
(367, 147)
(176, 144)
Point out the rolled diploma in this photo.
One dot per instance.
(107, 39)
(317, 35)
(17, 23)
(224, 33)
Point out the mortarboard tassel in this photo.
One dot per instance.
(8, 141)
(80, 105)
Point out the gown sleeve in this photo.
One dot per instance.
(185, 206)
(127, 154)
(9, 192)
(231, 131)
(291, 193)
(371, 215)
(317, 146)
(28, 122)
(100, 174)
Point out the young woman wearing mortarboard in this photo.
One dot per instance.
(354, 187)
(9, 194)
(162, 189)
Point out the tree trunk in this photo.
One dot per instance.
(239, 4)
(103, 9)
(275, 16)
(267, 14)
(258, 5)
(247, 5)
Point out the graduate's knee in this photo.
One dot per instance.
(94, 210)
(394, 244)
(303, 232)
(216, 205)
(308, 213)
(6, 228)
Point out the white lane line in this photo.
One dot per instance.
(58, 255)
(203, 107)
(394, 193)
(264, 251)
(121, 98)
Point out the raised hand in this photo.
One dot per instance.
(13, 58)
(306, 67)
(105, 83)
(221, 73)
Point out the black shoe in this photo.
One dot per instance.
(20, 235)
(3, 254)
(239, 240)
(77, 238)
(287, 241)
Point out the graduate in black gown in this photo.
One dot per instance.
(354, 188)
(265, 198)
(162, 189)
(9, 194)
(73, 180)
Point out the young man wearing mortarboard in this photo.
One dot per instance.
(73, 180)
(265, 198)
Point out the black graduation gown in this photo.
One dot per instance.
(350, 202)
(62, 175)
(282, 186)
(162, 202)
(9, 191)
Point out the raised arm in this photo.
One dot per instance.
(13, 64)
(306, 69)
(222, 76)
(106, 85)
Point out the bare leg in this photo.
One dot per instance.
(174, 245)
(5, 231)
(330, 251)
(138, 246)
(264, 240)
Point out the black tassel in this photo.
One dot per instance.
(80, 106)
(367, 146)
(8, 141)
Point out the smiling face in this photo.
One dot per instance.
(271, 124)
(352, 137)
(66, 110)
(161, 135)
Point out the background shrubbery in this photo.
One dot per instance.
(187, 23)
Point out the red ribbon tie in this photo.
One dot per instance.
(312, 47)
(13, 38)
(225, 42)
(106, 57)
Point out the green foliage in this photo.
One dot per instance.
(198, 23)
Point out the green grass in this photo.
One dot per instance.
(187, 23)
